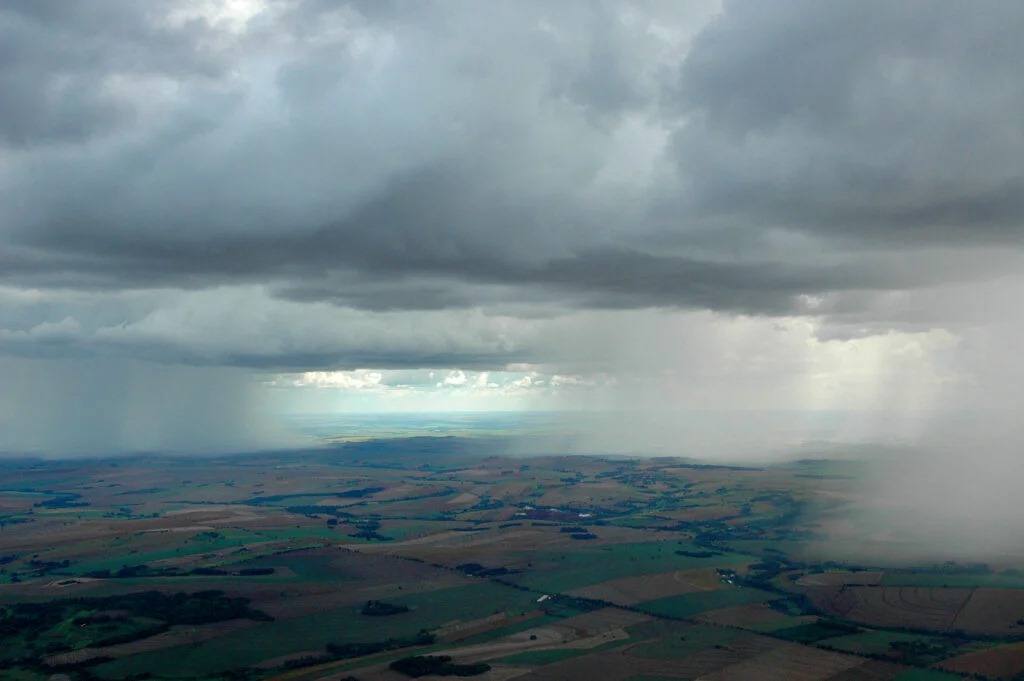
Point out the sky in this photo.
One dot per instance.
(215, 213)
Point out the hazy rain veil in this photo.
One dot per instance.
(930, 412)
(98, 407)
(750, 389)
(953, 490)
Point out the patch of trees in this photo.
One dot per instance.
(487, 504)
(344, 651)
(62, 500)
(439, 665)
(817, 631)
(951, 567)
(145, 490)
(760, 575)
(561, 601)
(129, 571)
(46, 565)
(208, 571)
(143, 570)
(26, 622)
(918, 651)
(368, 530)
(699, 554)
(371, 535)
(310, 511)
(478, 570)
(359, 493)
(794, 604)
(272, 499)
(382, 609)
(255, 572)
(201, 607)
(244, 572)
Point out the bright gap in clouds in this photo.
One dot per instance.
(230, 15)
(669, 374)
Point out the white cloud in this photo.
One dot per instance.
(457, 377)
(344, 380)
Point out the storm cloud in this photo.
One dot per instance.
(309, 185)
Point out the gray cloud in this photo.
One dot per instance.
(523, 158)
(879, 122)
(63, 65)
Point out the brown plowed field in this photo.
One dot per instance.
(872, 670)
(1001, 662)
(600, 621)
(631, 590)
(913, 607)
(713, 659)
(992, 611)
(745, 616)
(841, 579)
(606, 666)
(787, 662)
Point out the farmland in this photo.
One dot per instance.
(338, 561)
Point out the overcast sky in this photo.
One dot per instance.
(212, 211)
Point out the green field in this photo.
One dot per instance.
(542, 657)
(565, 571)
(688, 605)
(428, 610)
(875, 642)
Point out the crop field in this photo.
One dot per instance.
(940, 579)
(1005, 661)
(978, 611)
(992, 611)
(900, 607)
(754, 616)
(787, 662)
(876, 642)
(846, 578)
(631, 590)
(926, 675)
(334, 563)
(565, 571)
(688, 605)
(428, 610)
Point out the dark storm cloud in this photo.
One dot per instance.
(56, 57)
(896, 122)
(429, 157)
